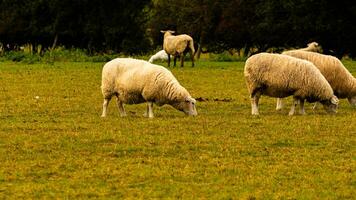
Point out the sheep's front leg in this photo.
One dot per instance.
(175, 60)
(105, 106)
(181, 60)
(279, 105)
(254, 103)
(149, 110)
(292, 109)
(122, 111)
(169, 60)
(302, 110)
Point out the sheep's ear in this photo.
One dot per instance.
(190, 99)
(172, 31)
(334, 100)
(163, 31)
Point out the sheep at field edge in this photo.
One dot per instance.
(312, 47)
(340, 79)
(161, 55)
(280, 76)
(136, 81)
(178, 45)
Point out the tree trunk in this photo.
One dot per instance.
(54, 42)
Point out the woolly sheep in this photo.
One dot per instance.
(161, 55)
(312, 47)
(340, 79)
(136, 81)
(178, 45)
(280, 76)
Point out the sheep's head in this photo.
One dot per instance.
(167, 32)
(187, 106)
(331, 105)
(314, 46)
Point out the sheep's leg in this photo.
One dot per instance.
(315, 105)
(105, 106)
(175, 60)
(192, 55)
(279, 105)
(254, 103)
(149, 110)
(169, 60)
(292, 109)
(182, 60)
(120, 105)
(302, 110)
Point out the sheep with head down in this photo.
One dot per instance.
(280, 76)
(136, 81)
(161, 55)
(339, 78)
(178, 46)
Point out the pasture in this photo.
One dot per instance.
(53, 143)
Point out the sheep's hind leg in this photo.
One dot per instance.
(279, 105)
(192, 56)
(105, 106)
(149, 110)
(254, 103)
(120, 105)
(302, 110)
(292, 109)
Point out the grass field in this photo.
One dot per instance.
(57, 146)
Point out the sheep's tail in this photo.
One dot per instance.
(191, 47)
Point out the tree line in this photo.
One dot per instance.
(133, 26)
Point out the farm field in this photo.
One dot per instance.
(54, 144)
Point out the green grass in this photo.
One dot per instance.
(57, 146)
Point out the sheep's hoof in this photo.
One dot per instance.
(103, 116)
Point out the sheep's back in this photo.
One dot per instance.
(333, 70)
(176, 44)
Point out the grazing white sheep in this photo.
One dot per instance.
(280, 76)
(339, 78)
(312, 47)
(178, 45)
(136, 81)
(161, 55)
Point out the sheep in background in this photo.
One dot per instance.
(178, 45)
(280, 76)
(312, 47)
(161, 55)
(339, 78)
(136, 81)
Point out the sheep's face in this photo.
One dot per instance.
(331, 105)
(352, 100)
(187, 106)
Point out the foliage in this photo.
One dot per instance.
(95, 25)
(133, 27)
(242, 24)
(59, 54)
(54, 145)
